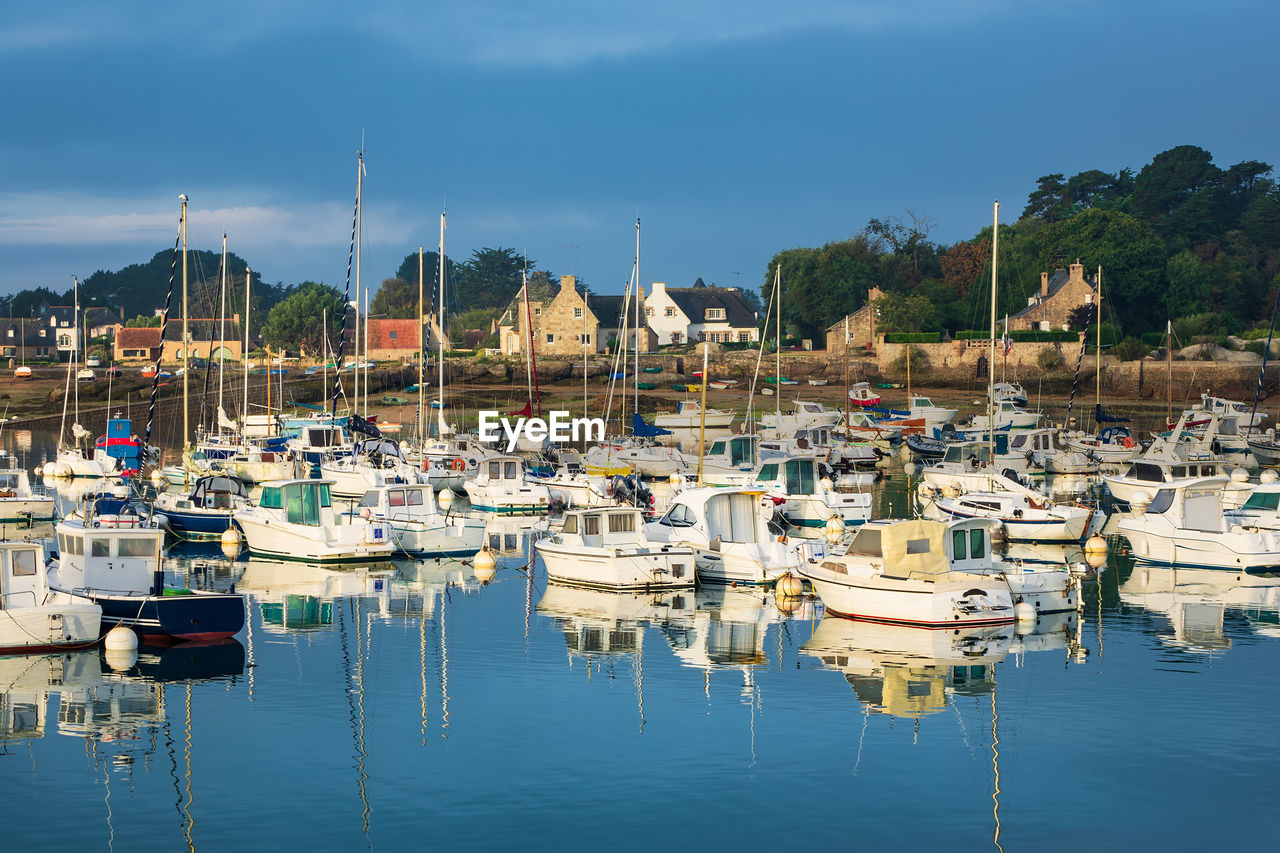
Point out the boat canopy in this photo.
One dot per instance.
(640, 429)
(914, 548)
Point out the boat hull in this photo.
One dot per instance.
(970, 603)
(618, 569)
(49, 627)
(195, 615)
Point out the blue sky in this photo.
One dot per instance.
(732, 129)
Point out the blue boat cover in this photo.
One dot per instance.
(640, 429)
(1102, 417)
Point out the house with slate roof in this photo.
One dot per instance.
(858, 330)
(27, 339)
(576, 319)
(1059, 294)
(680, 315)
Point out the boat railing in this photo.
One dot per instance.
(6, 596)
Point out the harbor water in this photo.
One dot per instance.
(414, 704)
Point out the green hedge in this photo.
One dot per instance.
(1153, 339)
(1020, 335)
(912, 337)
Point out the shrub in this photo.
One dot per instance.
(912, 338)
(919, 361)
(1050, 359)
(1131, 349)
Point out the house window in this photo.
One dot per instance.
(392, 335)
(715, 313)
(551, 339)
(677, 337)
(577, 312)
(743, 337)
(670, 312)
(586, 339)
(64, 340)
(649, 312)
(702, 336)
(11, 333)
(537, 312)
(10, 351)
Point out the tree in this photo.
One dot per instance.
(1082, 317)
(1170, 180)
(1048, 201)
(296, 321)
(489, 278)
(902, 314)
(396, 298)
(143, 321)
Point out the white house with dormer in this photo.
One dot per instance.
(680, 315)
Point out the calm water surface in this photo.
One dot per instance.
(408, 705)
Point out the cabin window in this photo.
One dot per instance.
(959, 550)
(1146, 472)
(678, 516)
(799, 478)
(395, 497)
(414, 497)
(495, 470)
(100, 547)
(622, 522)
(1161, 502)
(977, 544)
(369, 499)
(917, 546)
(136, 547)
(570, 525)
(1265, 500)
(1018, 441)
(591, 525)
(741, 451)
(272, 498)
(24, 564)
(302, 504)
(717, 448)
(768, 472)
(866, 542)
(1180, 470)
(73, 545)
(509, 470)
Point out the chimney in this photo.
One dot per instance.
(658, 287)
(1044, 285)
(568, 282)
(1077, 272)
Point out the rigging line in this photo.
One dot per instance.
(164, 321)
(346, 299)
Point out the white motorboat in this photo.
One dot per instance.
(730, 461)
(578, 489)
(969, 467)
(371, 463)
(802, 416)
(934, 416)
(1170, 460)
(607, 548)
(1007, 415)
(690, 415)
(500, 486)
(1112, 445)
(1025, 515)
(806, 500)
(728, 531)
(1184, 525)
(296, 520)
(418, 524)
(110, 555)
(1011, 391)
(915, 572)
(1040, 449)
(18, 504)
(641, 456)
(204, 513)
(34, 618)
(1245, 413)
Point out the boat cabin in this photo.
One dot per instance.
(975, 453)
(217, 492)
(400, 502)
(1033, 441)
(500, 469)
(23, 582)
(798, 476)
(737, 451)
(1193, 505)
(724, 514)
(1155, 471)
(118, 559)
(300, 501)
(603, 528)
(925, 550)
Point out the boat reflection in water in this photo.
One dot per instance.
(1196, 604)
(298, 597)
(511, 535)
(603, 624)
(105, 699)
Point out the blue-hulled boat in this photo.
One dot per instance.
(205, 513)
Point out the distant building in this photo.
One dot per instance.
(680, 315)
(24, 339)
(575, 320)
(513, 325)
(860, 326)
(132, 343)
(397, 339)
(1059, 295)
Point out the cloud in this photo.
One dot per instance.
(54, 219)
(483, 32)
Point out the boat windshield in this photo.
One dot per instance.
(866, 542)
(800, 477)
(303, 502)
(1263, 500)
(1161, 502)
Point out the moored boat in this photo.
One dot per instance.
(608, 548)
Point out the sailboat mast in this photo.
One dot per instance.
(244, 412)
(1168, 355)
(363, 359)
(584, 352)
(1097, 370)
(75, 321)
(222, 326)
(777, 353)
(846, 377)
(528, 319)
(422, 350)
(991, 360)
(440, 321)
(359, 229)
(186, 337)
(636, 377)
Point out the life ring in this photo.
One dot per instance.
(1128, 442)
(459, 464)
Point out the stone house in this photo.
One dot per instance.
(1059, 294)
(566, 321)
(679, 315)
(860, 327)
(512, 326)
